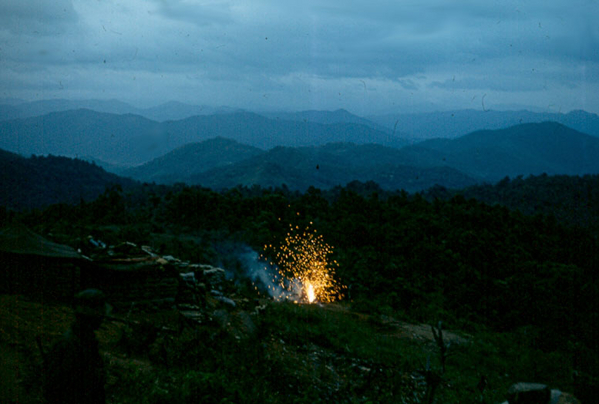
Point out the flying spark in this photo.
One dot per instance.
(305, 272)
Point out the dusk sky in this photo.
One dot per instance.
(365, 56)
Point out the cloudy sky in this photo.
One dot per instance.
(368, 56)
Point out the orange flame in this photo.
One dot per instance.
(310, 294)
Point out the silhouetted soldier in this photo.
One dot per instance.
(74, 371)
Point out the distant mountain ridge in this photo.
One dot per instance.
(318, 148)
(223, 163)
(219, 163)
(171, 110)
(192, 159)
(526, 149)
(122, 139)
(477, 157)
(415, 126)
(326, 117)
(132, 140)
(328, 166)
(452, 124)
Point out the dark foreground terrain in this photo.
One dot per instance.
(297, 353)
(518, 294)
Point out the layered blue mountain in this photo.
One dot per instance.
(118, 139)
(416, 126)
(452, 124)
(132, 140)
(328, 166)
(223, 163)
(483, 156)
(310, 148)
(171, 110)
(259, 131)
(326, 117)
(192, 159)
(526, 149)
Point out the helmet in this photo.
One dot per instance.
(91, 302)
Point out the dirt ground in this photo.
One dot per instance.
(401, 329)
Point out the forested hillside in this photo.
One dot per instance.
(514, 269)
(525, 149)
(461, 261)
(192, 159)
(334, 164)
(570, 199)
(41, 181)
(483, 156)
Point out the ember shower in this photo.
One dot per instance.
(306, 272)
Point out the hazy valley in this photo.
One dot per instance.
(312, 148)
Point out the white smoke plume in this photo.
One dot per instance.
(242, 262)
(267, 278)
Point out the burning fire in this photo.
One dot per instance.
(310, 293)
(306, 274)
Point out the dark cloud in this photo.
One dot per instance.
(408, 84)
(36, 17)
(355, 54)
(488, 83)
(202, 14)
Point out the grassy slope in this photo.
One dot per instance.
(300, 353)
